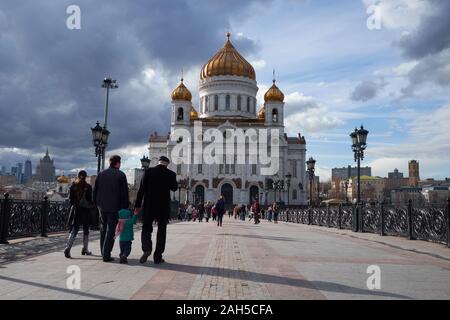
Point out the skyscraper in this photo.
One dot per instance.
(28, 171)
(19, 173)
(45, 170)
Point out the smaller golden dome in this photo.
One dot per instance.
(274, 94)
(193, 113)
(63, 179)
(181, 93)
(262, 113)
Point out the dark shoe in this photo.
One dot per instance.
(159, 261)
(85, 252)
(67, 253)
(123, 260)
(145, 256)
(108, 259)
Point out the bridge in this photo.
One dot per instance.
(311, 253)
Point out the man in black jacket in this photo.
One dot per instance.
(155, 190)
(110, 196)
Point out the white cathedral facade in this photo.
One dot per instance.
(227, 97)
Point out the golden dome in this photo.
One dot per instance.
(63, 179)
(181, 93)
(193, 113)
(262, 113)
(227, 61)
(274, 94)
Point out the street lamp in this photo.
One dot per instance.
(145, 162)
(288, 184)
(108, 84)
(359, 138)
(100, 140)
(278, 185)
(311, 163)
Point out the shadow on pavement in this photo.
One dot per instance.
(267, 278)
(45, 286)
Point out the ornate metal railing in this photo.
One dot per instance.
(423, 223)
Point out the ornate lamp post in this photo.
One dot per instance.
(311, 163)
(288, 185)
(145, 162)
(278, 185)
(359, 138)
(100, 140)
(108, 84)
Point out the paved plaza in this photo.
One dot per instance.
(239, 261)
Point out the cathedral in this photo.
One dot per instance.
(227, 98)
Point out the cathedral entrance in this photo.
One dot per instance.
(227, 192)
(253, 194)
(199, 194)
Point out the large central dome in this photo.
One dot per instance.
(227, 61)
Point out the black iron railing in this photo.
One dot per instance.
(422, 223)
(23, 218)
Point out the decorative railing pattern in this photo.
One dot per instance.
(423, 223)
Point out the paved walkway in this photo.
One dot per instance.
(239, 261)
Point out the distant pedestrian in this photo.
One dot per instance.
(80, 196)
(275, 212)
(269, 214)
(220, 207)
(201, 211)
(208, 208)
(214, 213)
(256, 211)
(243, 212)
(110, 196)
(155, 191)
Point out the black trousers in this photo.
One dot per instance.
(219, 219)
(107, 231)
(146, 237)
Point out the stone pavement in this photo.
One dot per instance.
(239, 261)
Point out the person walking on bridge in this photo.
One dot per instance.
(155, 191)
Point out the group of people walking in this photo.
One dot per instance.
(109, 200)
(117, 216)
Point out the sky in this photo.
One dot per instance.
(335, 71)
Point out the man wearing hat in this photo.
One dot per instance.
(155, 191)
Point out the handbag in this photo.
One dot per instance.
(84, 203)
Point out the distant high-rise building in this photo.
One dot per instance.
(3, 170)
(414, 176)
(347, 173)
(45, 170)
(14, 171)
(19, 173)
(395, 175)
(28, 171)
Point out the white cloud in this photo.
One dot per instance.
(258, 64)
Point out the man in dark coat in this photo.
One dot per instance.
(155, 191)
(110, 196)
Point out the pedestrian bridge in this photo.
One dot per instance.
(241, 260)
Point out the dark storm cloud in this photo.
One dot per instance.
(50, 76)
(367, 90)
(430, 45)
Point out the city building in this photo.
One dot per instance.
(45, 170)
(414, 176)
(348, 172)
(372, 189)
(227, 91)
(19, 173)
(28, 171)
(395, 175)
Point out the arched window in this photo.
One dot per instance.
(248, 104)
(275, 115)
(180, 115)
(227, 102)
(216, 102)
(239, 103)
